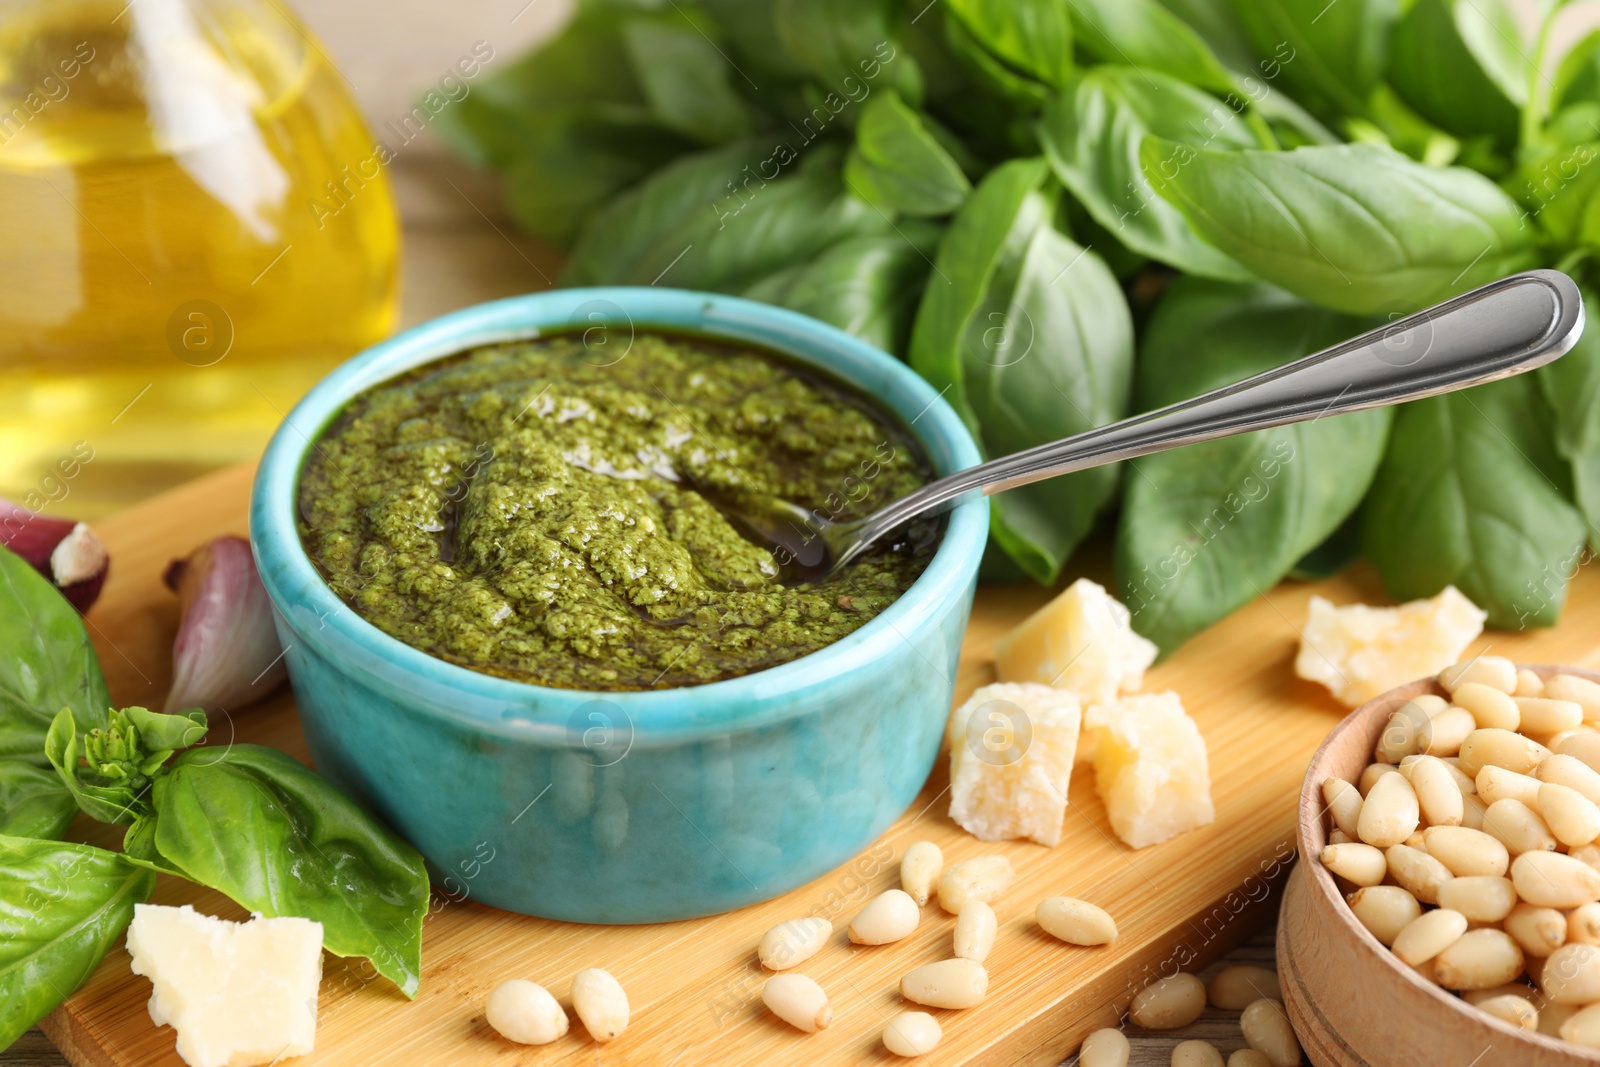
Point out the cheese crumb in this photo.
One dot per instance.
(238, 994)
(1360, 652)
(1011, 761)
(1083, 640)
(1150, 768)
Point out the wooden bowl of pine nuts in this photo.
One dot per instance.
(1352, 999)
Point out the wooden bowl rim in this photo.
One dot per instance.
(1312, 836)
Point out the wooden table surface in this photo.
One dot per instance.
(460, 250)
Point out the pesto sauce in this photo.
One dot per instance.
(536, 512)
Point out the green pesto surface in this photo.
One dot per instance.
(542, 512)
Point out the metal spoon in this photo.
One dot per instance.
(1503, 328)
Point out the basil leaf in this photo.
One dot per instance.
(1142, 33)
(1357, 228)
(842, 43)
(1337, 50)
(1556, 180)
(1503, 35)
(1032, 338)
(1462, 499)
(1032, 37)
(1092, 137)
(49, 663)
(33, 801)
(898, 165)
(62, 906)
(718, 219)
(1571, 386)
(1018, 89)
(866, 286)
(118, 803)
(1209, 527)
(1219, 27)
(686, 79)
(274, 836)
(1432, 70)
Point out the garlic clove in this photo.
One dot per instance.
(227, 655)
(64, 551)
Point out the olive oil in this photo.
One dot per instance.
(193, 230)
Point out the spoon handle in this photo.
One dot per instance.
(1500, 329)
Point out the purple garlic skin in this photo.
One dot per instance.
(226, 656)
(64, 551)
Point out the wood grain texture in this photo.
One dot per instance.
(1352, 1001)
(695, 985)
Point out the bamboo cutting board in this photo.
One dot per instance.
(695, 985)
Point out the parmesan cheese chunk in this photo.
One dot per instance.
(1083, 640)
(1361, 652)
(1150, 768)
(238, 994)
(1011, 760)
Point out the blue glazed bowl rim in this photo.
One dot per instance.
(505, 706)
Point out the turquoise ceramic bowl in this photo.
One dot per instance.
(626, 807)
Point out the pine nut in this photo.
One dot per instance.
(601, 1003)
(1452, 764)
(888, 917)
(1585, 748)
(1518, 827)
(912, 1033)
(1508, 1007)
(919, 869)
(1472, 810)
(1581, 691)
(1196, 1053)
(1390, 812)
(1418, 872)
(1267, 1030)
(1583, 1028)
(1477, 960)
(1481, 898)
(1551, 1016)
(1385, 910)
(1519, 988)
(1554, 741)
(1344, 803)
(1369, 776)
(1499, 748)
(1572, 974)
(1077, 922)
(956, 983)
(1415, 841)
(1358, 864)
(791, 943)
(1466, 852)
(975, 930)
(1104, 1048)
(1497, 783)
(1554, 880)
(1236, 988)
(1438, 796)
(1168, 1003)
(1409, 729)
(1491, 708)
(1544, 716)
(1248, 1057)
(1583, 924)
(1494, 671)
(1448, 730)
(983, 878)
(1529, 684)
(1540, 931)
(1589, 854)
(525, 1012)
(1562, 769)
(1339, 837)
(1429, 934)
(1572, 817)
(798, 1001)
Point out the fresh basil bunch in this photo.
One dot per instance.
(1001, 192)
(245, 820)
